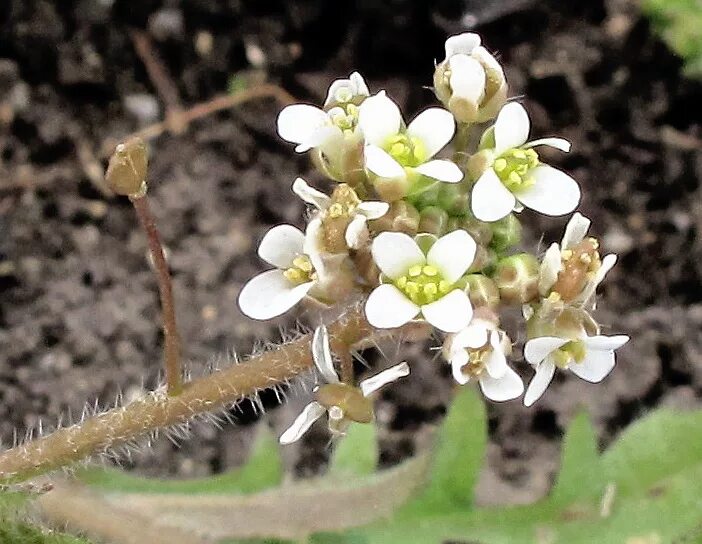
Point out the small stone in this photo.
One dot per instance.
(166, 23)
(143, 107)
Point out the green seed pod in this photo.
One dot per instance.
(506, 233)
(482, 291)
(126, 171)
(517, 277)
(401, 217)
(433, 220)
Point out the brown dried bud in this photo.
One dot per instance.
(126, 172)
(350, 399)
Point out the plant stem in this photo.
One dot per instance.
(171, 347)
(157, 410)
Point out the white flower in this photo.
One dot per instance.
(297, 270)
(311, 127)
(516, 177)
(470, 82)
(342, 402)
(479, 351)
(356, 211)
(421, 283)
(588, 357)
(586, 270)
(391, 150)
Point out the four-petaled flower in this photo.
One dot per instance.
(343, 403)
(588, 357)
(421, 283)
(479, 352)
(310, 127)
(297, 269)
(351, 210)
(516, 177)
(392, 151)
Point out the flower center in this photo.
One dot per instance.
(345, 115)
(572, 352)
(406, 150)
(579, 265)
(513, 167)
(423, 284)
(477, 359)
(301, 271)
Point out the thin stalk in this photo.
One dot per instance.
(171, 346)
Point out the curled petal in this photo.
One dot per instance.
(575, 230)
(490, 199)
(496, 364)
(379, 118)
(389, 375)
(605, 343)
(381, 163)
(450, 313)
(387, 307)
(442, 170)
(457, 364)
(539, 383)
(461, 43)
(607, 264)
(435, 128)
(395, 253)
(310, 195)
(507, 387)
(298, 123)
(312, 412)
(357, 232)
(281, 245)
(270, 294)
(355, 84)
(321, 354)
(537, 349)
(511, 127)
(558, 143)
(553, 192)
(474, 336)
(452, 254)
(550, 267)
(324, 136)
(595, 366)
(373, 209)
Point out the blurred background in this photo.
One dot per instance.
(79, 315)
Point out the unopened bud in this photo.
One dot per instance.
(401, 217)
(479, 162)
(479, 230)
(392, 189)
(482, 291)
(454, 198)
(506, 233)
(433, 220)
(517, 277)
(126, 171)
(484, 258)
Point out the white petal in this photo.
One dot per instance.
(379, 118)
(323, 136)
(511, 127)
(467, 78)
(536, 349)
(461, 43)
(605, 343)
(559, 143)
(356, 232)
(507, 387)
(381, 163)
(298, 122)
(321, 354)
(549, 269)
(457, 365)
(605, 266)
(395, 253)
(435, 128)
(387, 307)
(473, 336)
(270, 294)
(310, 194)
(553, 192)
(496, 365)
(450, 313)
(594, 367)
(359, 84)
(355, 84)
(389, 375)
(373, 209)
(312, 412)
(575, 230)
(490, 199)
(442, 170)
(452, 254)
(539, 383)
(281, 245)
(313, 246)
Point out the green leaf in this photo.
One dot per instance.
(581, 472)
(263, 470)
(459, 456)
(338, 538)
(356, 454)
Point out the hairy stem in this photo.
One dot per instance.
(171, 346)
(157, 410)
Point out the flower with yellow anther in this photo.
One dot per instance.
(512, 174)
(297, 271)
(342, 402)
(416, 283)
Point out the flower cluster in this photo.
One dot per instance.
(423, 222)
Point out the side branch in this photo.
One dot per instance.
(157, 409)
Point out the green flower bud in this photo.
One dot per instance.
(401, 217)
(433, 220)
(506, 233)
(126, 171)
(392, 189)
(517, 277)
(479, 230)
(482, 291)
(484, 259)
(454, 198)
